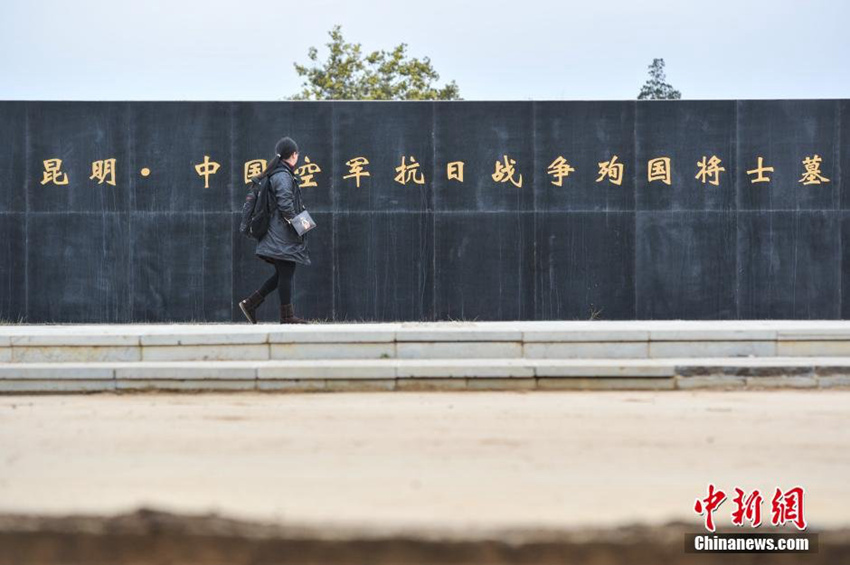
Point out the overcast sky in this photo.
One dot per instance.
(528, 49)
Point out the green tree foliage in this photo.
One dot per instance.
(380, 75)
(656, 87)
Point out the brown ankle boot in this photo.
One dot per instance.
(250, 304)
(287, 315)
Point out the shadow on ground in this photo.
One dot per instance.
(149, 537)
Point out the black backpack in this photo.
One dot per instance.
(258, 209)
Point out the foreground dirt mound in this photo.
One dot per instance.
(148, 537)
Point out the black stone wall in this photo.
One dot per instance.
(162, 247)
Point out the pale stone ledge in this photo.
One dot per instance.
(666, 349)
(46, 353)
(584, 350)
(342, 369)
(205, 352)
(319, 351)
(458, 350)
(463, 368)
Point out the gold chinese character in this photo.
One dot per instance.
(52, 172)
(709, 168)
(306, 172)
(206, 169)
(454, 170)
(760, 170)
(659, 169)
(100, 170)
(409, 172)
(559, 169)
(355, 169)
(505, 172)
(812, 174)
(611, 169)
(254, 168)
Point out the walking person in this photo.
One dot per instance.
(281, 246)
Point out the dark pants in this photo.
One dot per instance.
(282, 279)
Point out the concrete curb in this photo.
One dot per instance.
(484, 340)
(444, 374)
(664, 355)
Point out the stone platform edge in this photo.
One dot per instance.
(444, 374)
(140, 335)
(176, 342)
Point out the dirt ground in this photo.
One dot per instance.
(442, 465)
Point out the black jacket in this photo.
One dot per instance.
(282, 241)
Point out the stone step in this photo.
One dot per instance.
(418, 374)
(422, 340)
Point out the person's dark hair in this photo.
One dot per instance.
(283, 149)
